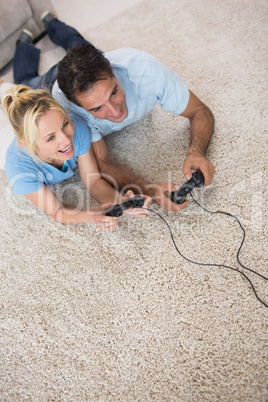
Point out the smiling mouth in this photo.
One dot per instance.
(67, 150)
(120, 114)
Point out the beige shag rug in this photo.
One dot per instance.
(87, 316)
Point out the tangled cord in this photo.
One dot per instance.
(217, 265)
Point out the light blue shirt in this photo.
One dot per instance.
(28, 176)
(145, 80)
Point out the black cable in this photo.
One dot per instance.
(216, 265)
(244, 235)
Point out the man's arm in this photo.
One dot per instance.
(201, 130)
(117, 174)
(122, 178)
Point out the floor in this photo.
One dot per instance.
(83, 14)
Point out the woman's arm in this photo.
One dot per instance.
(98, 187)
(101, 189)
(48, 202)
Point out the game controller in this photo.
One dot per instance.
(117, 209)
(179, 196)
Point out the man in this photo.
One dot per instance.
(115, 90)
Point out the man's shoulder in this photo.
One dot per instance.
(125, 57)
(137, 65)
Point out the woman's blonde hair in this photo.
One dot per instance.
(24, 107)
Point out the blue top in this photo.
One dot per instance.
(28, 176)
(145, 81)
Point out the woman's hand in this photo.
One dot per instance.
(139, 212)
(103, 223)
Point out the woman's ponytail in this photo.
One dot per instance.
(15, 106)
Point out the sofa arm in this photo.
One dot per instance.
(10, 20)
(11, 23)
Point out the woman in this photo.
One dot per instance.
(49, 146)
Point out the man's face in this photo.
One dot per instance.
(106, 100)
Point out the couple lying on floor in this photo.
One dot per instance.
(93, 95)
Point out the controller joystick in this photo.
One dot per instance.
(179, 196)
(117, 209)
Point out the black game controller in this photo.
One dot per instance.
(179, 196)
(117, 209)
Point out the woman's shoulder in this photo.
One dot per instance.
(23, 173)
(79, 122)
(82, 135)
(18, 159)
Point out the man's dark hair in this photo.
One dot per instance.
(80, 69)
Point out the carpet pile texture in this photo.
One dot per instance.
(122, 316)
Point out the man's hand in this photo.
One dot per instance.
(161, 196)
(196, 161)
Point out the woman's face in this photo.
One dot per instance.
(54, 143)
